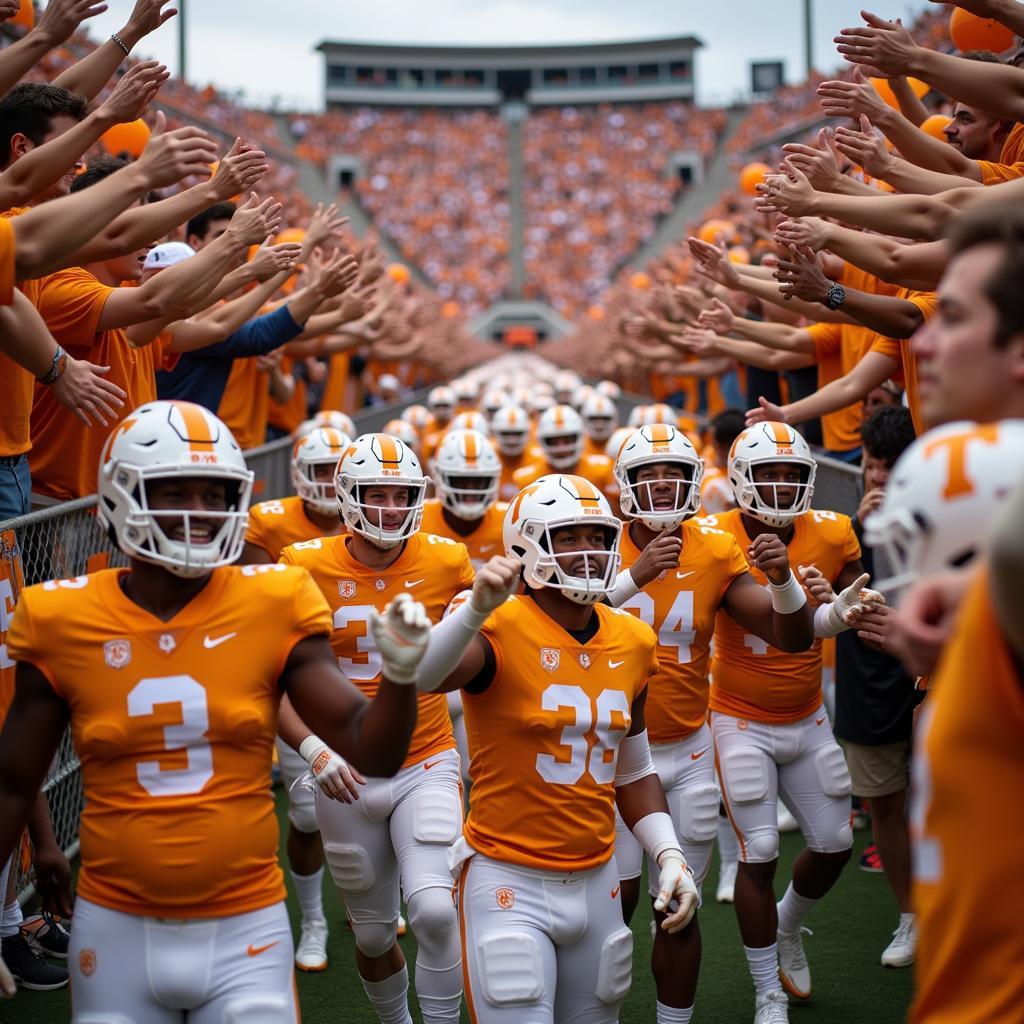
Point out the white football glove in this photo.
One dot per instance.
(401, 634)
(331, 772)
(676, 883)
(7, 986)
(495, 582)
(851, 603)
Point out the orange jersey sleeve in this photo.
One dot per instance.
(273, 525)
(681, 606)
(968, 777)
(245, 403)
(1011, 160)
(544, 736)
(11, 584)
(7, 275)
(174, 723)
(432, 569)
(751, 679)
(483, 543)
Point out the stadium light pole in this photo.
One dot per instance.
(808, 35)
(182, 40)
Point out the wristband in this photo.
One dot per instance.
(310, 745)
(827, 621)
(56, 370)
(623, 589)
(657, 835)
(788, 597)
(120, 42)
(634, 761)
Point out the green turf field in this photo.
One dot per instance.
(851, 928)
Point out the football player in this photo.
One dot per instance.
(169, 674)
(510, 428)
(553, 684)
(273, 525)
(676, 575)
(441, 403)
(771, 733)
(600, 420)
(397, 832)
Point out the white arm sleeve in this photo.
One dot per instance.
(657, 835)
(635, 761)
(448, 642)
(625, 587)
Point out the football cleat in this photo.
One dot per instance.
(772, 1008)
(794, 971)
(725, 893)
(870, 861)
(900, 952)
(29, 969)
(311, 952)
(50, 934)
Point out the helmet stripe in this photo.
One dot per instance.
(780, 434)
(198, 429)
(660, 433)
(388, 448)
(470, 447)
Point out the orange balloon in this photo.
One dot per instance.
(293, 235)
(130, 138)
(739, 255)
(884, 90)
(450, 310)
(640, 280)
(751, 176)
(711, 229)
(398, 272)
(934, 125)
(26, 15)
(971, 32)
(596, 312)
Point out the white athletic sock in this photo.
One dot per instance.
(309, 890)
(439, 992)
(7, 930)
(793, 910)
(728, 844)
(12, 918)
(390, 998)
(439, 957)
(674, 1014)
(764, 968)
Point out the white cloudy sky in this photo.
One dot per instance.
(266, 48)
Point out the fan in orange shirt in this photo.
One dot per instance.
(554, 684)
(677, 574)
(771, 732)
(170, 674)
(395, 836)
(273, 526)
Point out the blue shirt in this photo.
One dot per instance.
(201, 376)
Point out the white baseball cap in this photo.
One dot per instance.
(160, 257)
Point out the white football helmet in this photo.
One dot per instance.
(660, 443)
(538, 403)
(660, 412)
(491, 401)
(616, 441)
(942, 496)
(326, 418)
(466, 391)
(160, 441)
(405, 432)
(441, 403)
(561, 421)
(417, 415)
(511, 429)
(383, 461)
(608, 388)
(565, 384)
(538, 511)
(471, 420)
(761, 444)
(580, 396)
(600, 417)
(466, 454)
(322, 447)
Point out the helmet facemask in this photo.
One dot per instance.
(665, 503)
(358, 515)
(751, 495)
(562, 451)
(464, 502)
(317, 492)
(599, 566)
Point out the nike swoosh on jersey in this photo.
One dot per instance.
(256, 950)
(683, 575)
(487, 547)
(615, 664)
(210, 642)
(414, 583)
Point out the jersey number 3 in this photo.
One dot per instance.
(592, 738)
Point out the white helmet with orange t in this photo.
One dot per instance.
(491, 401)
(565, 384)
(320, 448)
(942, 496)
(663, 504)
(580, 396)
(637, 416)
(418, 415)
(468, 472)
(771, 443)
(163, 441)
(608, 388)
(616, 441)
(536, 514)
(466, 391)
(510, 427)
(326, 418)
(659, 412)
(560, 435)
(600, 417)
(379, 460)
(405, 432)
(441, 403)
(471, 420)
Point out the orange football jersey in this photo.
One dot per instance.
(544, 736)
(483, 543)
(750, 678)
(510, 465)
(273, 525)
(598, 469)
(174, 723)
(11, 584)
(432, 569)
(680, 606)
(968, 777)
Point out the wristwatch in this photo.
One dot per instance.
(836, 296)
(56, 371)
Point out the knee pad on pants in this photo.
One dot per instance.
(259, 1010)
(511, 970)
(745, 775)
(374, 938)
(615, 968)
(760, 847)
(436, 815)
(838, 841)
(432, 916)
(350, 867)
(302, 811)
(833, 773)
(698, 812)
